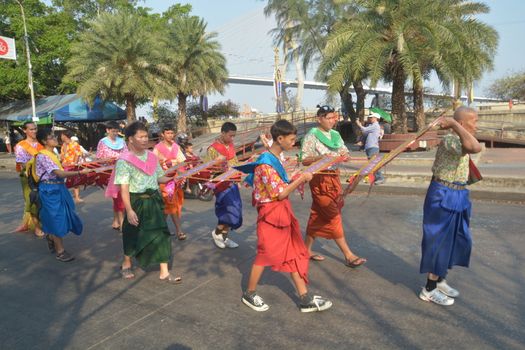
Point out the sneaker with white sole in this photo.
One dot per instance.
(230, 244)
(435, 296)
(218, 240)
(447, 290)
(254, 302)
(317, 303)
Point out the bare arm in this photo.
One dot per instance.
(63, 173)
(468, 141)
(130, 213)
(310, 160)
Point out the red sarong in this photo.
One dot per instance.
(172, 205)
(279, 241)
(325, 214)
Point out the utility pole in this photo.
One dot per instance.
(29, 66)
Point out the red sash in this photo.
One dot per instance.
(228, 152)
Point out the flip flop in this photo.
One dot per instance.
(115, 228)
(171, 279)
(317, 257)
(355, 263)
(126, 273)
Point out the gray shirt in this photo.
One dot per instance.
(372, 133)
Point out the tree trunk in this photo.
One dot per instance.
(181, 122)
(361, 95)
(419, 108)
(347, 101)
(300, 84)
(456, 102)
(398, 101)
(130, 108)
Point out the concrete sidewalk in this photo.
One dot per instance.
(86, 305)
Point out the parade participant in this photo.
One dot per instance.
(447, 241)
(112, 146)
(25, 150)
(57, 209)
(70, 154)
(145, 234)
(325, 214)
(279, 241)
(228, 204)
(371, 134)
(169, 154)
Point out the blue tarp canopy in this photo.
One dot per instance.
(63, 108)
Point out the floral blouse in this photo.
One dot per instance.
(104, 151)
(450, 163)
(45, 167)
(138, 181)
(312, 147)
(21, 156)
(70, 153)
(267, 184)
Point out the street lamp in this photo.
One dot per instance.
(29, 66)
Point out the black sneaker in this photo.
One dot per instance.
(254, 301)
(317, 303)
(65, 257)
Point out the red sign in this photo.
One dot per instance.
(7, 48)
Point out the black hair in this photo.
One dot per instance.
(68, 133)
(167, 127)
(112, 125)
(133, 128)
(324, 110)
(282, 128)
(24, 126)
(42, 134)
(228, 126)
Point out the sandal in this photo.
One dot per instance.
(116, 228)
(39, 234)
(172, 279)
(355, 263)
(181, 236)
(317, 257)
(126, 273)
(50, 244)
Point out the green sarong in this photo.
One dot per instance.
(26, 190)
(150, 241)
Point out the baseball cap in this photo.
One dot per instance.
(374, 115)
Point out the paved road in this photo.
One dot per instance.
(85, 305)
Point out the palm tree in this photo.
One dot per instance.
(198, 66)
(119, 59)
(396, 40)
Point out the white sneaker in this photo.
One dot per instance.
(218, 240)
(317, 303)
(435, 296)
(230, 244)
(255, 302)
(447, 290)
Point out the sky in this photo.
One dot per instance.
(243, 33)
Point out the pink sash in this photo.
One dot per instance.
(148, 167)
(166, 152)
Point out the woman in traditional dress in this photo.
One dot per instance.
(57, 209)
(110, 147)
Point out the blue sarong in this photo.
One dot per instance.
(57, 210)
(228, 207)
(446, 235)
